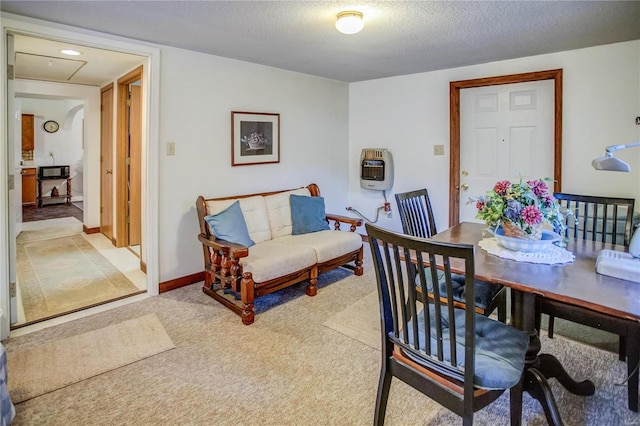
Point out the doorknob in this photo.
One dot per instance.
(464, 186)
(108, 172)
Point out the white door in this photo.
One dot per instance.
(506, 133)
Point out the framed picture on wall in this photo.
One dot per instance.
(255, 138)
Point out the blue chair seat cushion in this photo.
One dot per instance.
(484, 292)
(499, 348)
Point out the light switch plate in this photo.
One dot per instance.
(171, 148)
(438, 150)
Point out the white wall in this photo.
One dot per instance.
(410, 114)
(196, 114)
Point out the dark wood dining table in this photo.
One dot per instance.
(576, 283)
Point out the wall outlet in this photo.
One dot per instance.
(438, 150)
(171, 148)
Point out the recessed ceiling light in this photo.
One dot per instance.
(71, 52)
(349, 22)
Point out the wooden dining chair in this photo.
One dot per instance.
(416, 216)
(594, 218)
(605, 219)
(460, 359)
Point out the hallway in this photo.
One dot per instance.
(91, 272)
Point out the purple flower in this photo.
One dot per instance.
(538, 187)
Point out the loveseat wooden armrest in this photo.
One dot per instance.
(338, 219)
(234, 250)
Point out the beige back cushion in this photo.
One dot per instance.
(279, 211)
(255, 215)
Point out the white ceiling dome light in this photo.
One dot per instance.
(71, 52)
(349, 22)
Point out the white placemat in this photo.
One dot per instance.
(550, 256)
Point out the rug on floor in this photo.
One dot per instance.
(50, 228)
(54, 365)
(61, 275)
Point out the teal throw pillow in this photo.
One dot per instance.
(229, 225)
(307, 214)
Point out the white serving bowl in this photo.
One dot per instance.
(521, 244)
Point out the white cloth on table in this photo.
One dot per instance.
(7, 410)
(551, 255)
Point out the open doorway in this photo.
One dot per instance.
(73, 246)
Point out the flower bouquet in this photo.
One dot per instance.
(520, 208)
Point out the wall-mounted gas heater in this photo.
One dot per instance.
(376, 169)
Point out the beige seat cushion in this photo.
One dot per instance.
(327, 244)
(273, 259)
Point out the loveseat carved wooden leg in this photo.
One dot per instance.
(247, 295)
(312, 289)
(359, 270)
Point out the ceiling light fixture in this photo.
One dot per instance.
(349, 22)
(70, 52)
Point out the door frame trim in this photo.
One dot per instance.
(111, 87)
(454, 128)
(122, 118)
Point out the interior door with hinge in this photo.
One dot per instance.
(506, 133)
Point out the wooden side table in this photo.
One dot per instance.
(65, 197)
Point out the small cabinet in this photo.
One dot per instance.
(27, 132)
(29, 186)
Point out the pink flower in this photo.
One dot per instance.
(538, 187)
(531, 215)
(480, 205)
(501, 187)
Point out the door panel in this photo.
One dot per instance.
(106, 162)
(135, 150)
(506, 132)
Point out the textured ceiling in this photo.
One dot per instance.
(399, 37)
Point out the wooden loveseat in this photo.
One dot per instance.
(287, 240)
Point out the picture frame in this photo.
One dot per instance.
(255, 138)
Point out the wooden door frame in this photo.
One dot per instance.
(111, 87)
(121, 154)
(454, 128)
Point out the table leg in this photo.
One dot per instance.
(539, 368)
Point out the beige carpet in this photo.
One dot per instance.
(285, 369)
(61, 275)
(44, 368)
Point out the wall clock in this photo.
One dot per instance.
(51, 126)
